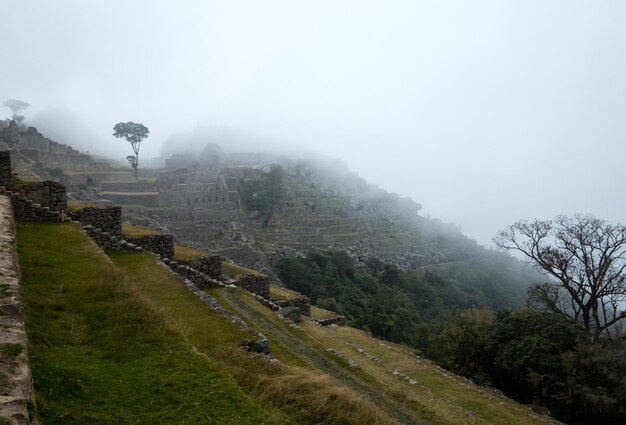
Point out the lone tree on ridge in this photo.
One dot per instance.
(134, 133)
(16, 106)
(584, 259)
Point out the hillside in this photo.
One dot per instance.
(118, 339)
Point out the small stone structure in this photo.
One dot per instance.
(107, 219)
(302, 302)
(336, 320)
(158, 244)
(290, 312)
(211, 265)
(16, 390)
(47, 194)
(256, 283)
(198, 278)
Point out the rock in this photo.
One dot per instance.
(261, 346)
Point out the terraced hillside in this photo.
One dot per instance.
(309, 217)
(119, 339)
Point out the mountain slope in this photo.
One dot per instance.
(112, 338)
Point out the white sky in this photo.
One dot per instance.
(482, 111)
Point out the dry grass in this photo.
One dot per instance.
(280, 293)
(305, 396)
(74, 205)
(184, 252)
(134, 231)
(231, 269)
(438, 396)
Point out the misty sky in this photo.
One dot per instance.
(482, 111)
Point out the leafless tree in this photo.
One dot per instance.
(584, 260)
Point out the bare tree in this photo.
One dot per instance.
(584, 259)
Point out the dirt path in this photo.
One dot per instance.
(320, 361)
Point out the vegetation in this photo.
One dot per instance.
(540, 358)
(16, 106)
(184, 252)
(127, 343)
(399, 306)
(584, 262)
(262, 196)
(133, 133)
(134, 231)
(231, 269)
(102, 354)
(74, 205)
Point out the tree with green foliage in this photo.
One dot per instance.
(133, 133)
(584, 261)
(16, 106)
(464, 344)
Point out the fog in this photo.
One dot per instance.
(484, 112)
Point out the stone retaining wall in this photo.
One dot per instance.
(16, 390)
(6, 177)
(211, 265)
(257, 284)
(25, 209)
(303, 303)
(107, 219)
(47, 194)
(158, 244)
(198, 278)
(337, 320)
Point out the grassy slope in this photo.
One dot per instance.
(437, 397)
(125, 342)
(102, 354)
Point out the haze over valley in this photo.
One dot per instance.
(476, 111)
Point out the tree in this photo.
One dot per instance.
(16, 106)
(134, 133)
(584, 259)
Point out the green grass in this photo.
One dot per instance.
(102, 354)
(10, 351)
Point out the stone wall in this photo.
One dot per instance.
(162, 245)
(211, 265)
(64, 160)
(25, 209)
(107, 219)
(140, 186)
(47, 194)
(255, 283)
(198, 278)
(303, 303)
(16, 391)
(336, 320)
(6, 178)
(147, 199)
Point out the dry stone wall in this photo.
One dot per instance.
(210, 265)
(255, 283)
(6, 176)
(303, 303)
(107, 219)
(16, 386)
(158, 244)
(47, 194)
